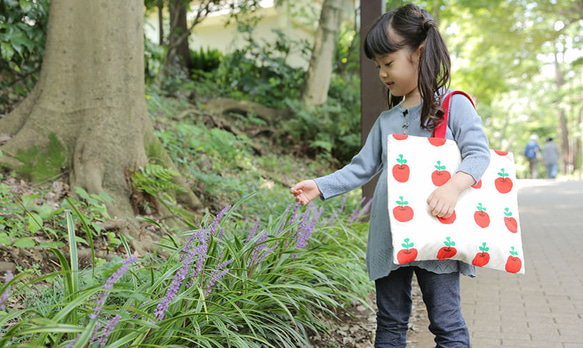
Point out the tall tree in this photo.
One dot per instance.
(179, 33)
(502, 51)
(180, 27)
(315, 91)
(86, 116)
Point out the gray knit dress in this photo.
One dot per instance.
(464, 126)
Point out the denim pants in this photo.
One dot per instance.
(441, 294)
(552, 170)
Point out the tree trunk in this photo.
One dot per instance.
(315, 91)
(87, 116)
(161, 22)
(178, 51)
(372, 91)
(563, 129)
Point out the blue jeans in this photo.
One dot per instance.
(441, 294)
(552, 170)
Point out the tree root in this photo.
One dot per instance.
(226, 105)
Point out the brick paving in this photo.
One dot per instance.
(544, 307)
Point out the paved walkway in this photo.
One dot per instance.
(544, 307)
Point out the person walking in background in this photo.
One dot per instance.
(414, 64)
(532, 151)
(551, 158)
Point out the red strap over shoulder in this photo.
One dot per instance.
(439, 131)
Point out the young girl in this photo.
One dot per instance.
(414, 64)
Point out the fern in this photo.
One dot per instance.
(155, 180)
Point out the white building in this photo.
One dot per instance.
(296, 19)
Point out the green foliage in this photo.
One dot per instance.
(229, 284)
(347, 55)
(154, 56)
(23, 30)
(333, 129)
(28, 222)
(259, 72)
(205, 61)
(155, 180)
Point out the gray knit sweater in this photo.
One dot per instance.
(464, 126)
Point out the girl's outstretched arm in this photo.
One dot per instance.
(305, 191)
(442, 201)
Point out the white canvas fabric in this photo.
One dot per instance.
(485, 228)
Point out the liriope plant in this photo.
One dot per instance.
(227, 283)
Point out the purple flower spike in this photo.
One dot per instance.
(218, 219)
(108, 329)
(342, 204)
(259, 246)
(6, 293)
(109, 285)
(305, 233)
(283, 224)
(294, 216)
(217, 275)
(187, 260)
(358, 212)
(267, 252)
(72, 343)
(253, 231)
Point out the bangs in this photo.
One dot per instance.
(377, 41)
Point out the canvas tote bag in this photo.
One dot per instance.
(484, 229)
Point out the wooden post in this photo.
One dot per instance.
(372, 94)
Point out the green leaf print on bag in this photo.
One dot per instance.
(448, 251)
(403, 212)
(440, 176)
(482, 258)
(401, 171)
(408, 254)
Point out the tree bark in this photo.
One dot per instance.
(315, 91)
(372, 91)
(178, 51)
(563, 129)
(87, 114)
(161, 22)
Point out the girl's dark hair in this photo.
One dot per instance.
(410, 27)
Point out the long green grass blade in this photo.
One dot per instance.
(74, 259)
(87, 232)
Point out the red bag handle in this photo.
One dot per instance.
(439, 131)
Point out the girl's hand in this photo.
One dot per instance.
(305, 191)
(442, 201)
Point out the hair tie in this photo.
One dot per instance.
(428, 24)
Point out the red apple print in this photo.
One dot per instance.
(481, 217)
(478, 184)
(448, 251)
(510, 222)
(436, 141)
(400, 136)
(513, 264)
(440, 176)
(402, 213)
(482, 258)
(401, 170)
(501, 153)
(408, 254)
(448, 220)
(503, 183)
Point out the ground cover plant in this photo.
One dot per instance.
(227, 283)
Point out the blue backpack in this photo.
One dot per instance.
(530, 150)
